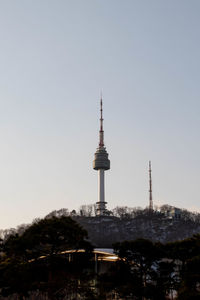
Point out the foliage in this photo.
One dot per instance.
(154, 271)
(38, 259)
(35, 258)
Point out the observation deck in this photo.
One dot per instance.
(101, 160)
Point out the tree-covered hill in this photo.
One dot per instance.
(164, 224)
(104, 231)
(35, 262)
(35, 265)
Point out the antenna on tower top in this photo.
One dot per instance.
(150, 189)
(101, 132)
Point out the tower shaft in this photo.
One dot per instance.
(101, 193)
(101, 186)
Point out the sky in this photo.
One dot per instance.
(55, 58)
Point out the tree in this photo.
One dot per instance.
(139, 259)
(190, 283)
(88, 210)
(40, 255)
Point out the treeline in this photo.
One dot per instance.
(166, 210)
(39, 264)
(122, 212)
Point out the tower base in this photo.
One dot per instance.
(101, 208)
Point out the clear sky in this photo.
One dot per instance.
(55, 57)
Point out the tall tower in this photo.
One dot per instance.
(150, 189)
(101, 163)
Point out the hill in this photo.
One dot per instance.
(164, 224)
(104, 231)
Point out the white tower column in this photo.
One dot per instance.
(101, 186)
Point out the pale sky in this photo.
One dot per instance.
(55, 58)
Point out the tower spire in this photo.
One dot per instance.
(150, 189)
(101, 132)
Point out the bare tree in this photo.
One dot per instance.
(88, 210)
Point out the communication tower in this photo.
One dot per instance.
(101, 163)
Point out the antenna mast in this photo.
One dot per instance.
(101, 132)
(150, 189)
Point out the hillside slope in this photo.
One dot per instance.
(106, 230)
